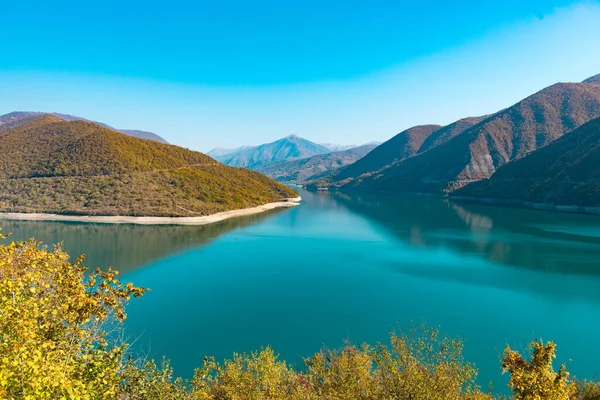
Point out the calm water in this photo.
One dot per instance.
(340, 267)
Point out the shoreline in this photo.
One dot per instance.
(514, 203)
(116, 219)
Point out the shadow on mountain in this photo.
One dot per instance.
(122, 246)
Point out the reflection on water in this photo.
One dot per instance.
(125, 247)
(532, 239)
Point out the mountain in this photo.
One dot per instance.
(17, 118)
(480, 150)
(219, 151)
(78, 167)
(448, 132)
(142, 135)
(286, 149)
(337, 147)
(593, 79)
(566, 172)
(405, 144)
(300, 171)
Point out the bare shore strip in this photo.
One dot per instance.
(204, 220)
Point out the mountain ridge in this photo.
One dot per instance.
(289, 148)
(481, 149)
(17, 118)
(318, 166)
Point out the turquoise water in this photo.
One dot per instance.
(355, 267)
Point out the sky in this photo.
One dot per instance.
(227, 73)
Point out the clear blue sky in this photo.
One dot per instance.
(232, 72)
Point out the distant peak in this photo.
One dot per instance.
(292, 137)
(593, 79)
(47, 118)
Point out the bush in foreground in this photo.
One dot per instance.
(56, 325)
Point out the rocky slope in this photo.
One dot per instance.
(566, 172)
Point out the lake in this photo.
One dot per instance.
(355, 267)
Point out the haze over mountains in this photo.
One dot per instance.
(49, 165)
(440, 160)
(287, 149)
(17, 118)
(293, 159)
(300, 171)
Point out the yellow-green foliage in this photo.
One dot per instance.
(54, 166)
(52, 327)
(536, 379)
(588, 391)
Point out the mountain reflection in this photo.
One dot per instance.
(531, 239)
(125, 247)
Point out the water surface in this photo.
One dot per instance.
(355, 267)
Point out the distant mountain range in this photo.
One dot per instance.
(287, 149)
(300, 171)
(17, 118)
(440, 160)
(564, 173)
(49, 165)
(337, 147)
(293, 159)
(219, 151)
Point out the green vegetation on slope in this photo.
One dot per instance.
(57, 332)
(49, 165)
(566, 172)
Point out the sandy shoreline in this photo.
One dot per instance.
(204, 220)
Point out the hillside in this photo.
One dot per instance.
(286, 149)
(300, 171)
(480, 150)
(405, 144)
(593, 79)
(448, 132)
(17, 118)
(566, 172)
(55, 166)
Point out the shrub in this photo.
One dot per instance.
(535, 379)
(53, 330)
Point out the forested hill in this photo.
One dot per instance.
(55, 166)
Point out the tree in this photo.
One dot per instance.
(535, 379)
(56, 325)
